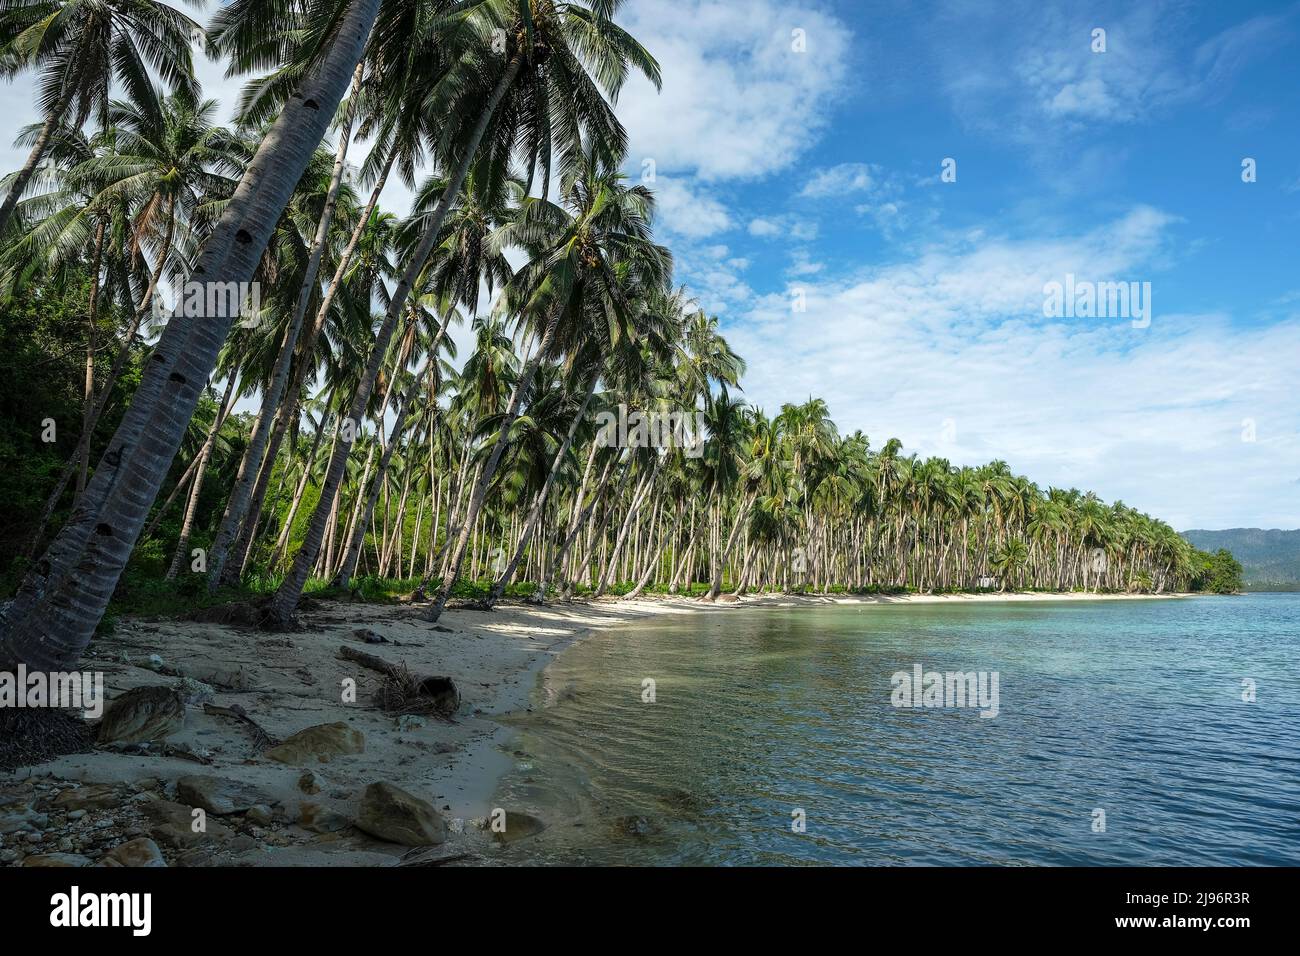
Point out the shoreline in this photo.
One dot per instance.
(287, 683)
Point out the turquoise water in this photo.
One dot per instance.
(1133, 708)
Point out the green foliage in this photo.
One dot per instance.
(1217, 573)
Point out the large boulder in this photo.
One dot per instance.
(175, 825)
(143, 714)
(319, 744)
(392, 814)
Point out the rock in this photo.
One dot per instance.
(320, 818)
(368, 636)
(76, 814)
(518, 826)
(173, 825)
(218, 795)
(19, 818)
(137, 853)
(408, 722)
(311, 782)
(319, 744)
(91, 796)
(143, 714)
(57, 859)
(8, 856)
(392, 814)
(260, 814)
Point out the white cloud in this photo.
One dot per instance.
(687, 210)
(1150, 416)
(737, 102)
(838, 180)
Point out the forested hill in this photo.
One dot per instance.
(1270, 557)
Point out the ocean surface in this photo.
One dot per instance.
(1123, 735)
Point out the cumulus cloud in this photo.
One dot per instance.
(950, 352)
(738, 102)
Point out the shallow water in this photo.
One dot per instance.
(1133, 708)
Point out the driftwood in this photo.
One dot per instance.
(405, 692)
(432, 857)
(261, 738)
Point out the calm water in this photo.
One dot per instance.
(1131, 707)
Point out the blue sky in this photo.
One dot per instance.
(815, 173)
(782, 172)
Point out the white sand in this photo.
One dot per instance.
(295, 681)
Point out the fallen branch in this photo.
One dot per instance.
(261, 738)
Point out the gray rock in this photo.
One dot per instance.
(392, 814)
(90, 796)
(18, 819)
(218, 795)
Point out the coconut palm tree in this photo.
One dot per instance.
(79, 49)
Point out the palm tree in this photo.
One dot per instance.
(53, 615)
(79, 49)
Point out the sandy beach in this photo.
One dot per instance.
(287, 683)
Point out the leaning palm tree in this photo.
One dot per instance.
(56, 609)
(79, 49)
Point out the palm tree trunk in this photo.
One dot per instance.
(255, 466)
(353, 552)
(489, 470)
(285, 602)
(42, 143)
(534, 515)
(53, 616)
(192, 502)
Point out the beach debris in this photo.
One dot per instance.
(367, 636)
(141, 715)
(390, 813)
(261, 738)
(407, 693)
(140, 852)
(319, 744)
(435, 857)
